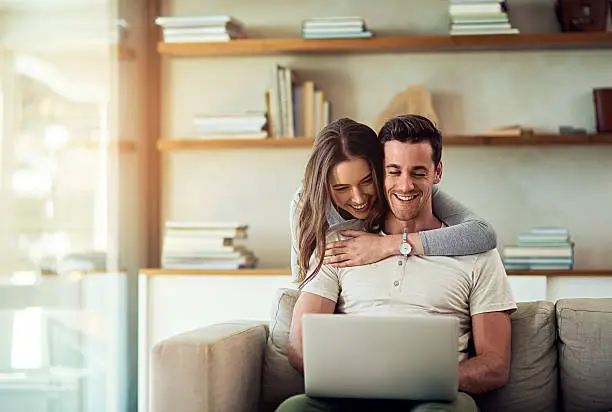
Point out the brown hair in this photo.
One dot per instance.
(341, 140)
(413, 128)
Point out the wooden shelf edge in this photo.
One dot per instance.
(220, 272)
(553, 273)
(201, 144)
(287, 272)
(457, 140)
(263, 46)
(528, 140)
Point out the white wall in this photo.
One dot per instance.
(514, 188)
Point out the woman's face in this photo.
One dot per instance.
(352, 187)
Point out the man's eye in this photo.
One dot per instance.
(367, 181)
(394, 173)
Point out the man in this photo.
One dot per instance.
(473, 288)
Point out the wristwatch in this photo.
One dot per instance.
(405, 247)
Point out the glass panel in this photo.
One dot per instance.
(62, 301)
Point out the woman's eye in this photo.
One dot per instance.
(340, 189)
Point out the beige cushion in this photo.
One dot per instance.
(585, 354)
(533, 373)
(280, 380)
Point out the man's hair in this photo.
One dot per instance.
(412, 128)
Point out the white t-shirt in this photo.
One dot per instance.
(460, 286)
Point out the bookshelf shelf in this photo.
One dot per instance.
(197, 272)
(465, 140)
(287, 272)
(391, 44)
(195, 144)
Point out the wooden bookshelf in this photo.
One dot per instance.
(529, 140)
(196, 272)
(304, 142)
(287, 272)
(195, 144)
(392, 44)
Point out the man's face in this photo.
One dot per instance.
(409, 178)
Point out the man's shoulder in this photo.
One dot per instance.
(490, 256)
(333, 233)
(475, 263)
(479, 258)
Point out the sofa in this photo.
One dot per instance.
(561, 361)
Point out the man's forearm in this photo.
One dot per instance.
(481, 374)
(295, 359)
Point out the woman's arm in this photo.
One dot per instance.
(466, 234)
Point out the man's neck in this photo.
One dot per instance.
(425, 221)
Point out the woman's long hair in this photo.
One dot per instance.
(341, 140)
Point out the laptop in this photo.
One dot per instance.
(412, 357)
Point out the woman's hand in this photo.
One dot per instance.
(363, 248)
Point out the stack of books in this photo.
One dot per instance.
(541, 248)
(198, 29)
(295, 108)
(335, 28)
(201, 245)
(245, 125)
(470, 17)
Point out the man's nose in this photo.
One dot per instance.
(407, 185)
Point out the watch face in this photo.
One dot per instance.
(405, 248)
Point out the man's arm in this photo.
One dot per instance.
(306, 303)
(490, 368)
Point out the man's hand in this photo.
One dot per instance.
(490, 368)
(306, 303)
(363, 248)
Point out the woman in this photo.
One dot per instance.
(343, 181)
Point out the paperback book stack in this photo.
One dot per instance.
(200, 245)
(245, 125)
(471, 17)
(295, 108)
(543, 248)
(335, 28)
(197, 29)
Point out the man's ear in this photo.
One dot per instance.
(438, 173)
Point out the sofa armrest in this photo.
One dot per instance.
(213, 369)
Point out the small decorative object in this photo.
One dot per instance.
(571, 130)
(414, 100)
(506, 131)
(602, 100)
(583, 15)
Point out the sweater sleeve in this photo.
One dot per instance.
(466, 233)
(294, 210)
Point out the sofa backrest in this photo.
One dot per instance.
(533, 382)
(533, 377)
(585, 354)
